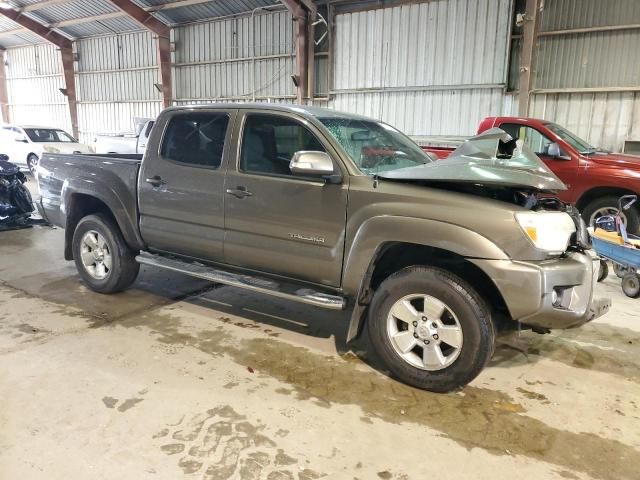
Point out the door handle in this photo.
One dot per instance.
(239, 192)
(156, 181)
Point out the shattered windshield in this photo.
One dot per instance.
(375, 147)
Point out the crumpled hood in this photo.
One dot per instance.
(491, 158)
(64, 147)
(616, 159)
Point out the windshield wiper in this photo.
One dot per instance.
(589, 151)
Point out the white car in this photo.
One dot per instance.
(25, 144)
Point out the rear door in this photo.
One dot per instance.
(277, 222)
(180, 186)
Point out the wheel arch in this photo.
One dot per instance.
(594, 193)
(79, 205)
(394, 256)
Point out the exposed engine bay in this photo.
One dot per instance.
(16, 204)
(494, 165)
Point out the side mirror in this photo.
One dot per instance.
(555, 151)
(312, 164)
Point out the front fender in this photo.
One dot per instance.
(377, 231)
(370, 239)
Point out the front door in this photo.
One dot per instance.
(181, 195)
(565, 168)
(276, 222)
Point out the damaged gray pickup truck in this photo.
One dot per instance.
(338, 211)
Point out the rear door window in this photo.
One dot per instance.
(195, 138)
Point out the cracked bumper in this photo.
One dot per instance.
(552, 294)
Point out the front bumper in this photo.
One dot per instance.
(551, 294)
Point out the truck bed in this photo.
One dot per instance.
(111, 179)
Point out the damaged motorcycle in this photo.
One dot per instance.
(16, 204)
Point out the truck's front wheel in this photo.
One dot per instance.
(431, 329)
(103, 259)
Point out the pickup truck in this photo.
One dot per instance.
(595, 178)
(337, 211)
(125, 143)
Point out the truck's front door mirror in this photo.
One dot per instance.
(555, 151)
(312, 164)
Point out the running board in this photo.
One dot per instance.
(264, 285)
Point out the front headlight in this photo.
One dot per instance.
(548, 231)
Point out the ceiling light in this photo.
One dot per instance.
(6, 5)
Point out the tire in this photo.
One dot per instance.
(620, 270)
(464, 310)
(604, 271)
(32, 162)
(611, 203)
(631, 285)
(122, 268)
(21, 198)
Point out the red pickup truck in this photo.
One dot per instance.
(596, 179)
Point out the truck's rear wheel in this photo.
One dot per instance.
(103, 259)
(431, 329)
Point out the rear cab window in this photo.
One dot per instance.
(195, 139)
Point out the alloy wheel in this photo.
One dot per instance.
(96, 256)
(424, 332)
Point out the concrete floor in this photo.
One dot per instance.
(178, 378)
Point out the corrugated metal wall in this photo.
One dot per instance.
(433, 68)
(213, 60)
(115, 81)
(33, 83)
(606, 61)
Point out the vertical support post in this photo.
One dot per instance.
(527, 62)
(301, 57)
(164, 59)
(70, 82)
(4, 91)
(311, 54)
(299, 15)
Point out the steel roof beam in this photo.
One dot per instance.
(163, 32)
(41, 5)
(39, 29)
